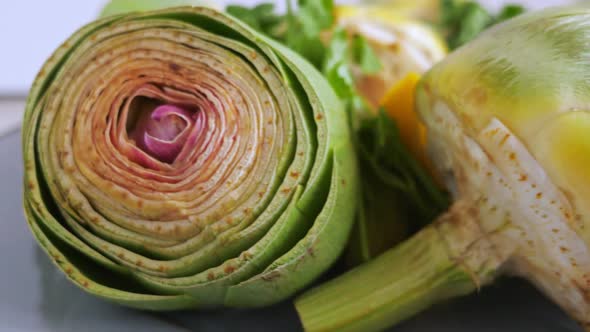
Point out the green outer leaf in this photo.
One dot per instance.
(87, 283)
(465, 20)
(327, 237)
(329, 191)
(117, 7)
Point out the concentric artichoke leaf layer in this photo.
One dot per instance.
(256, 204)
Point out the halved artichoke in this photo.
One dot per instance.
(507, 122)
(178, 158)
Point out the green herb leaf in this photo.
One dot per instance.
(336, 66)
(315, 16)
(464, 20)
(261, 17)
(397, 196)
(509, 11)
(381, 147)
(305, 26)
(475, 19)
(365, 56)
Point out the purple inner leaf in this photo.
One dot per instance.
(162, 132)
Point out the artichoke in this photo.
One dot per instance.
(115, 7)
(401, 44)
(180, 159)
(507, 126)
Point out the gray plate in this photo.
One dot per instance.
(35, 297)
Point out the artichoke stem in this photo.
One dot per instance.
(396, 285)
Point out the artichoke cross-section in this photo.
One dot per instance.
(179, 159)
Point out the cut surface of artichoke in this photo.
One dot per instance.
(177, 158)
(515, 94)
(507, 130)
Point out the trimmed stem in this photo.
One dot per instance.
(388, 289)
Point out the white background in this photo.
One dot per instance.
(31, 30)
